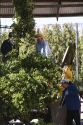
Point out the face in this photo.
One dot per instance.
(39, 39)
(64, 86)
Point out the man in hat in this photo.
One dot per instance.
(7, 46)
(70, 98)
(42, 46)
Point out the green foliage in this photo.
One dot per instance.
(69, 33)
(59, 37)
(3, 36)
(80, 55)
(27, 80)
(24, 22)
(25, 84)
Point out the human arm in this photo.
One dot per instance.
(47, 49)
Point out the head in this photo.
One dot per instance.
(64, 84)
(39, 37)
(10, 34)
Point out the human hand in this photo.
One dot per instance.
(81, 94)
(66, 93)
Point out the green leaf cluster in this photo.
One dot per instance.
(24, 22)
(25, 84)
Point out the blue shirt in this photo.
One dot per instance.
(71, 100)
(43, 48)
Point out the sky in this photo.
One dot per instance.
(40, 22)
(61, 20)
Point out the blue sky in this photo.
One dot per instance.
(43, 21)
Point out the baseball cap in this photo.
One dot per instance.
(64, 81)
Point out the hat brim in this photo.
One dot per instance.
(64, 82)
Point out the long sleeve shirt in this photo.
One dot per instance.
(43, 48)
(71, 95)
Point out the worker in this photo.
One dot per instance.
(72, 101)
(7, 46)
(67, 72)
(42, 46)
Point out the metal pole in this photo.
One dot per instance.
(77, 51)
(0, 40)
(0, 32)
(0, 27)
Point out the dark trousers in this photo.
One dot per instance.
(73, 115)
